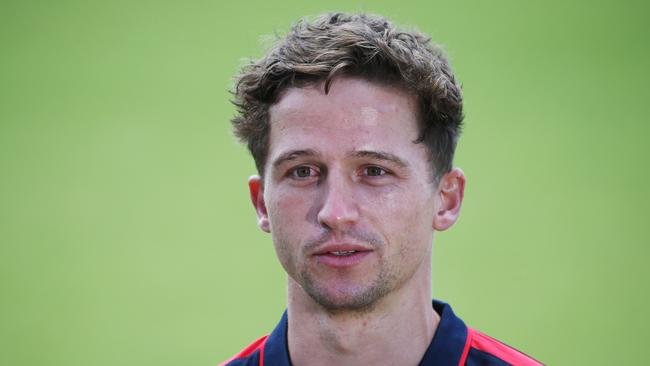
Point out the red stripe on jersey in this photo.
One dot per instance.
(249, 350)
(468, 341)
(490, 345)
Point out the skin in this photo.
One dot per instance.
(343, 170)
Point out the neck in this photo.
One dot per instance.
(397, 330)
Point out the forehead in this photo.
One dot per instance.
(346, 92)
(355, 115)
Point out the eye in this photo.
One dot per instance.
(302, 172)
(374, 171)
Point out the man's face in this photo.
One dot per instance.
(348, 197)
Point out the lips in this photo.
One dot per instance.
(341, 255)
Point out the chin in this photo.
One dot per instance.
(345, 299)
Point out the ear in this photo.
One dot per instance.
(451, 190)
(256, 188)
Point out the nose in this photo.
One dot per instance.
(339, 208)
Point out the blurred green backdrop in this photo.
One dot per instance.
(126, 236)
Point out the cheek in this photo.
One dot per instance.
(403, 216)
(287, 222)
(287, 211)
(407, 205)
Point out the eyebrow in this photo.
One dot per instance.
(293, 155)
(376, 155)
(379, 155)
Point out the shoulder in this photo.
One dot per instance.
(483, 350)
(252, 355)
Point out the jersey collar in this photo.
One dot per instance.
(446, 348)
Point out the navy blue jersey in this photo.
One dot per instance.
(453, 344)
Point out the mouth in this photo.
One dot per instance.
(342, 252)
(342, 256)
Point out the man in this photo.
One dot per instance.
(353, 126)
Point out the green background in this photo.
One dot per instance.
(126, 232)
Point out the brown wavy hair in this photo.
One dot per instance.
(366, 46)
